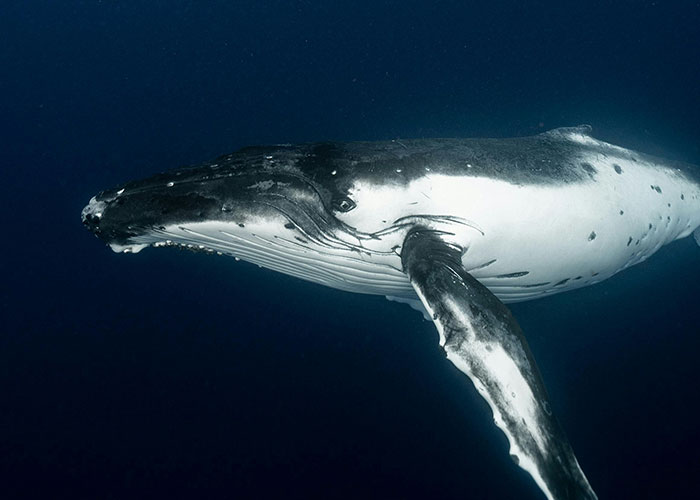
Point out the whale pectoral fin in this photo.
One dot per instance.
(483, 340)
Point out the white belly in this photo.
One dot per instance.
(544, 239)
(532, 240)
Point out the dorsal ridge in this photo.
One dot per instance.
(568, 131)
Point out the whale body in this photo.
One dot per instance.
(454, 227)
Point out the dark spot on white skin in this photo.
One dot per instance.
(622, 212)
(536, 284)
(650, 225)
(682, 197)
(669, 205)
(289, 225)
(629, 242)
(486, 264)
(592, 236)
(578, 277)
(513, 275)
(241, 225)
(657, 189)
(617, 168)
(595, 274)
(559, 283)
(590, 170)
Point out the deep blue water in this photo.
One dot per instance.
(182, 375)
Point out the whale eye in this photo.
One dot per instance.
(344, 204)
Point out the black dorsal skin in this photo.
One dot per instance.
(554, 157)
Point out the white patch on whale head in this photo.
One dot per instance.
(94, 208)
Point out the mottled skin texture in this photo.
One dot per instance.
(475, 317)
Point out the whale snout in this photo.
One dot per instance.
(238, 194)
(112, 219)
(92, 214)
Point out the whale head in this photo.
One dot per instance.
(293, 209)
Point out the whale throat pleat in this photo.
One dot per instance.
(311, 263)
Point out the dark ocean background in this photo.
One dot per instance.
(178, 375)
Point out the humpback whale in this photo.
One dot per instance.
(456, 228)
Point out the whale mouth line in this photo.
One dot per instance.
(314, 227)
(311, 224)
